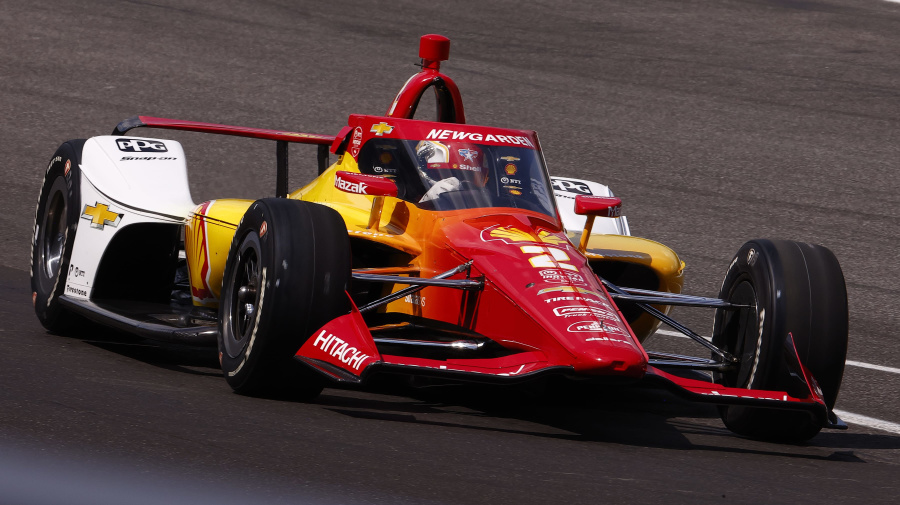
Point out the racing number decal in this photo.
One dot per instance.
(553, 260)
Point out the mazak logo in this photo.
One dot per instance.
(351, 187)
(571, 187)
(141, 146)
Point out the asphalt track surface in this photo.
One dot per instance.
(716, 122)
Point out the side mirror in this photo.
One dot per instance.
(364, 184)
(603, 206)
(593, 206)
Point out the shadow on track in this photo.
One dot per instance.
(626, 415)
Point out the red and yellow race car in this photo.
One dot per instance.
(429, 248)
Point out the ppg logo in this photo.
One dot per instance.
(571, 187)
(141, 146)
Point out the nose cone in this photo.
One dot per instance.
(550, 282)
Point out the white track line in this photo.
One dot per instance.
(870, 366)
(860, 364)
(869, 422)
(849, 417)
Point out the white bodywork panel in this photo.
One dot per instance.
(566, 189)
(124, 181)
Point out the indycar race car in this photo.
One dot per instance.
(428, 248)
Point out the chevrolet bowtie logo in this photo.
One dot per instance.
(100, 215)
(381, 128)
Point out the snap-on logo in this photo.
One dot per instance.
(141, 146)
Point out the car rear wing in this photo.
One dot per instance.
(281, 139)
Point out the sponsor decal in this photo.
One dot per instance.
(556, 258)
(72, 290)
(571, 187)
(336, 347)
(510, 169)
(263, 228)
(368, 233)
(415, 299)
(568, 289)
(515, 192)
(511, 235)
(351, 187)
(99, 215)
(75, 272)
(471, 168)
(356, 141)
(479, 137)
(381, 129)
(582, 311)
(67, 168)
(386, 158)
(586, 326)
(54, 160)
(141, 146)
(608, 338)
(561, 276)
(507, 180)
(468, 154)
(383, 170)
(509, 158)
(148, 158)
(576, 299)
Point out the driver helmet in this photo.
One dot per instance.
(461, 160)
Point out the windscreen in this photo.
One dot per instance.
(441, 175)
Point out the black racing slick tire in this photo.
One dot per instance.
(286, 275)
(55, 222)
(794, 288)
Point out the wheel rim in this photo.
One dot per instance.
(739, 335)
(243, 302)
(53, 235)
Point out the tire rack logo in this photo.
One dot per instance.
(99, 215)
(571, 187)
(141, 146)
(337, 348)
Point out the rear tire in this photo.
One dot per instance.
(793, 288)
(286, 275)
(55, 223)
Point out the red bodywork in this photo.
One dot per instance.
(540, 300)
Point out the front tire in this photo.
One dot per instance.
(286, 275)
(55, 223)
(794, 288)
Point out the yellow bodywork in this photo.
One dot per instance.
(400, 226)
(207, 240)
(669, 269)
